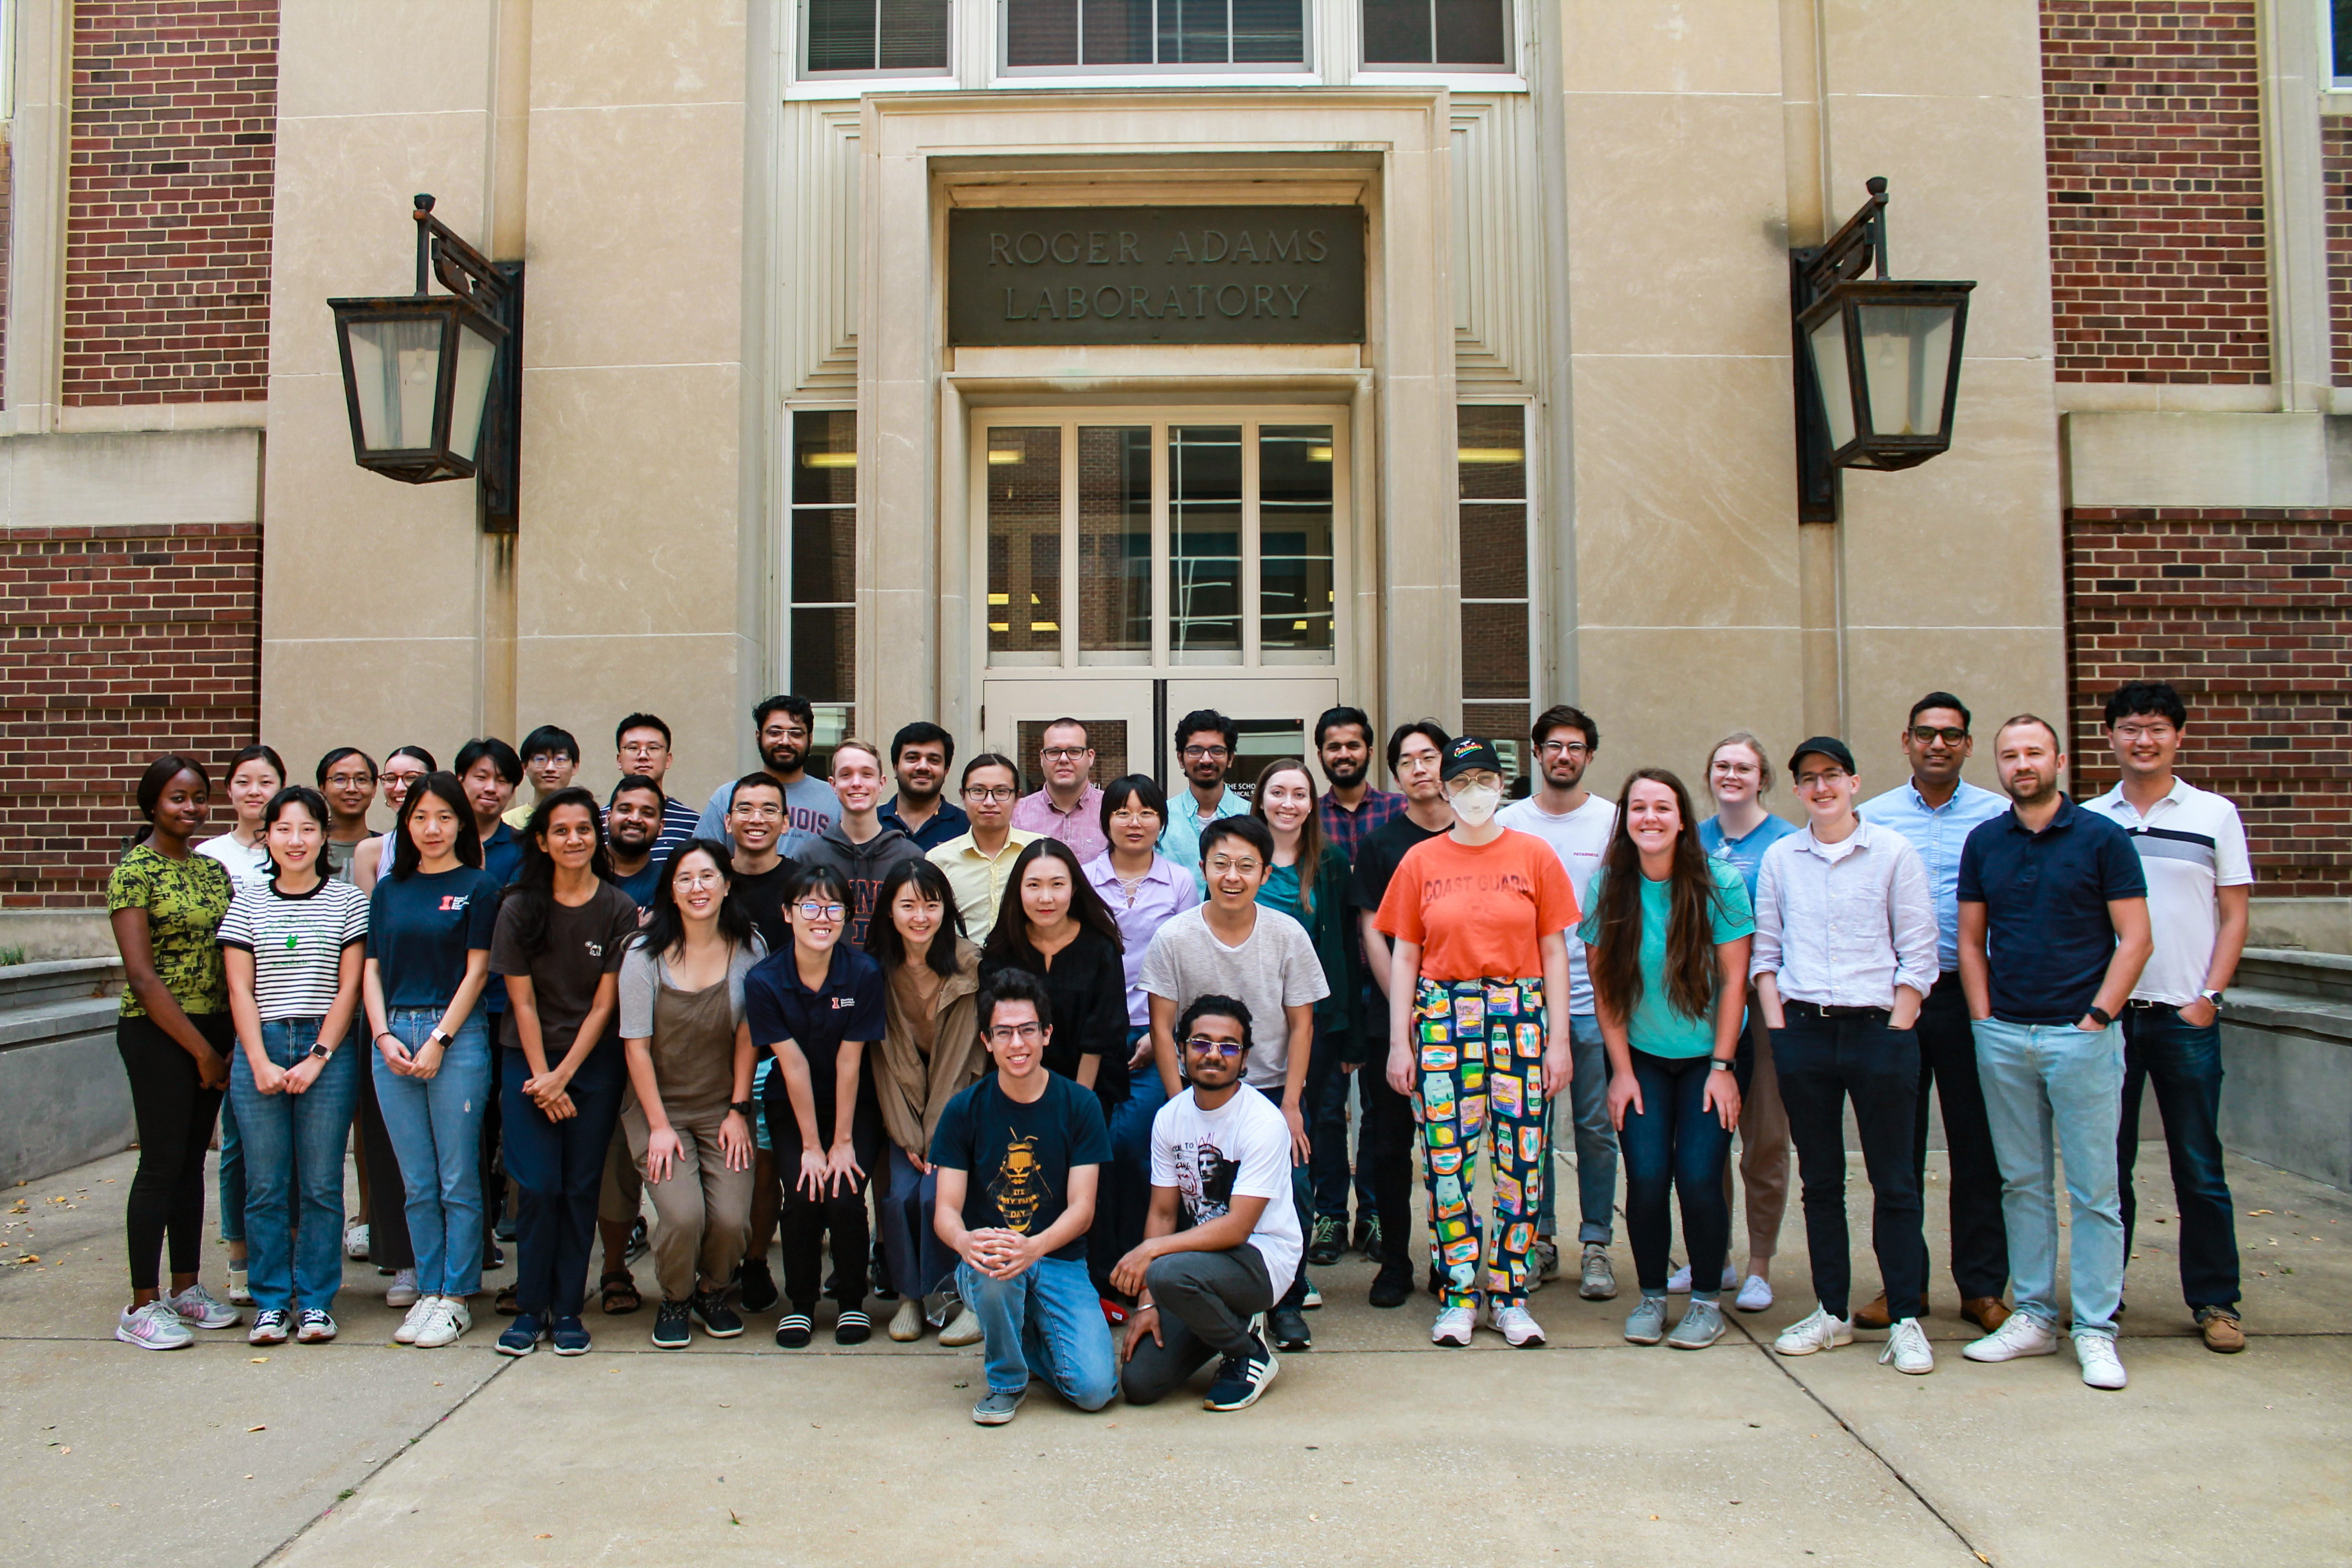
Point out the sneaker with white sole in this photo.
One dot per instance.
(403, 1291)
(1701, 1326)
(420, 1313)
(1817, 1331)
(1647, 1324)
(1600, 1281)
(1907, 1348)
(2095, 1352)
(1520, 1331)
(240, 1294)
(449, 1322)
(316, 1327)
(154, 1326)
(964, 1329)
(1678, 1283)
(1453, 1327)
(355, 1240)
(200, 1309)
(270, 1326)
(1755, 1294)
(2022, 1335)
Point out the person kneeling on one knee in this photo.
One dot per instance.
(1225, 1150)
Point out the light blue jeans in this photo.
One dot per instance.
(2053, 1088)
(1044, 1322)
(1596, 1140)
(436, 1127)
(294, 1154)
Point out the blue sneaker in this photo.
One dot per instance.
(521, 1336)
(570, 1337)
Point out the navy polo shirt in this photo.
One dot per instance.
(951, 820)
(848, 1006)
(2045, 896)
(502, 859)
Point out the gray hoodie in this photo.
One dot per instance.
(862, 866)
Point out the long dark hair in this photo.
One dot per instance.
(665, 928)
(533, 889)
(310, 800)
(1009, 942)
(1614, 957)
(883, 942)
(444, 787)
(1311, 832)
(156, 779)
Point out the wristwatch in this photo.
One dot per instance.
(2214, 998)
(2100, 1013)
(442, 1038)
(1719, 1065)
(320, 1051)
(744, 1108)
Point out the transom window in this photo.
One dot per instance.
(1129, 35)
(1437, 33)
(874, 36)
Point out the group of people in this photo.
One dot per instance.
(1072, 1074)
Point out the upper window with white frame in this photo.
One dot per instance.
(1457, 34)
(2338, 17)
(1127, 36)
(873, 38)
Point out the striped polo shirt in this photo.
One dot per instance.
(2189, 843)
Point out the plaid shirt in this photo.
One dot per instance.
(1348, 829)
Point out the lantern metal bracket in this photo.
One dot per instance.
(1813, 271)
(495, 289)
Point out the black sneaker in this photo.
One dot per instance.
(1242, 1378)
(1392, 1290)
(718, 1320)
(1290, 1330)
(793, 1331)
(1368, 1237)
(638, 1242)
(758, 1292)
(673, 1329)
(1331, 1239)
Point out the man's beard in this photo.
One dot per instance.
(1347, 775)
(785, 759)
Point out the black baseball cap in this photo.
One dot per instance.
(1827, 746)
(1469, 755)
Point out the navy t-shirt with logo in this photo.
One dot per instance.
(1017, 1157)
(847, 1008)
(420, 928)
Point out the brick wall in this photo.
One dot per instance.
(2245, 612)
(168, 201)
(124, 642)
(2153, 117)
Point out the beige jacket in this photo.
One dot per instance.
(913, 1091)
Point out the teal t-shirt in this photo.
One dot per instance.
(1655, 1027)
(1281, 892)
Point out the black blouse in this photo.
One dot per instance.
(1087, 986)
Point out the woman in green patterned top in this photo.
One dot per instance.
(174, 1036)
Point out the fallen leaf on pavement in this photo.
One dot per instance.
(264, 1428)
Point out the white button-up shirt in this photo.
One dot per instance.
(1842, 925)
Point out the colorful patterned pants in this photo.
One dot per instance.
(1482, 1045)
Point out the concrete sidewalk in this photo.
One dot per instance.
(1373, 1447)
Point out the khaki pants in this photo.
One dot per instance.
(622, 1196)
(702, 1213)
(1763, 1146)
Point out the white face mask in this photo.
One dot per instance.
(1475, 803)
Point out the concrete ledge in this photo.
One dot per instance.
(67, 979)
(50, 934)
(63, 1101)
(2286, 1047)
(152, 477)
(2189, 459)
(2315, 925)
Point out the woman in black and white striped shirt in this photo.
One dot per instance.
(293, 947)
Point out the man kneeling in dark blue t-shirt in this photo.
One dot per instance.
(1018, 1155)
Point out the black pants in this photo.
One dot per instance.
(494, 1158)
(1387, 1146)
(388, 1243)
(805, 1223)
(560, 1166)
(1206, 1300)
(176, 1114)
(1822, 1062)
(1947, 1063)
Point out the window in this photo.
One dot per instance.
(821, 628)
(1438, 33)
(874, 36)
(2339, 19)
(1127, 35)
(1496, 667)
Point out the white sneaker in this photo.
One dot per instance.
(1678, 1283)
(271, 1327)
(1453, 1327)
(1816, 1331)
(1907, 1348)
(2101, 1368)
(402, 1291)
(449, 1322)
(355, 1241)
(1522, 1332)
(1755, 1294)
(154, 1326)
(200, 1309)
(420, 1313)
(239, 1292)
(2020, 1336)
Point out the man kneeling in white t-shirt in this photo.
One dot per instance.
(1224, 1149)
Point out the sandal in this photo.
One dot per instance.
(620, 1293)
(507, 1305)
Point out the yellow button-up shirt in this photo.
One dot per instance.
(978, 880)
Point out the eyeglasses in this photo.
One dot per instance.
(2144, 731)
(1204, 753)
(757, 813)
(989, 792)
(643, 749)
(1826, 777)
(1131, 815)
(1005, 1034)
(1248, 866)
(350, 781)
(1929, 734)
(1563, 747)
(1204, 1045)
(813, 911)
(1066, 753)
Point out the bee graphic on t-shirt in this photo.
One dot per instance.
(1019, 1190)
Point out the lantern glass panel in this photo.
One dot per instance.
(396, 370)
(476, 352)
(1907, 355)
(1836, 383)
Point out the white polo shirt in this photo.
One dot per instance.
(2189, 843)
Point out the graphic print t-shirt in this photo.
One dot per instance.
(1241, 1149)
(1018, 1157)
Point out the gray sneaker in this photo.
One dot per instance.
(1702, 1325)
(1543, 1260)
(995, 1409)
(1600, 1275)
(1646, 1324)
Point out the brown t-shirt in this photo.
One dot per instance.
(582, 946)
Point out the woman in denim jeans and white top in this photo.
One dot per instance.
(293, 946)
(430, 928)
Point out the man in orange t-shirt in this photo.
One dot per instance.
(1476, 918)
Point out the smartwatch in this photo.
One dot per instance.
(2100, 1013)
(1719, 1065)
(746, 1109)
(320, 1051)
(442, 1038)
(2214, 998)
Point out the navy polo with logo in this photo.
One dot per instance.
(847, 1006)
(2045, 896)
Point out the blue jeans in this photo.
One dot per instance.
(436, 1126)
(1596, 1140)
(294, 1152)
(2183, 1063)
(232, 1169)
(2054, 1089)
(560, 1166)
(1044, 1322)
(1675, 1143)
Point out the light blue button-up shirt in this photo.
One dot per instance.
(1181, 839)
(1938, 833)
